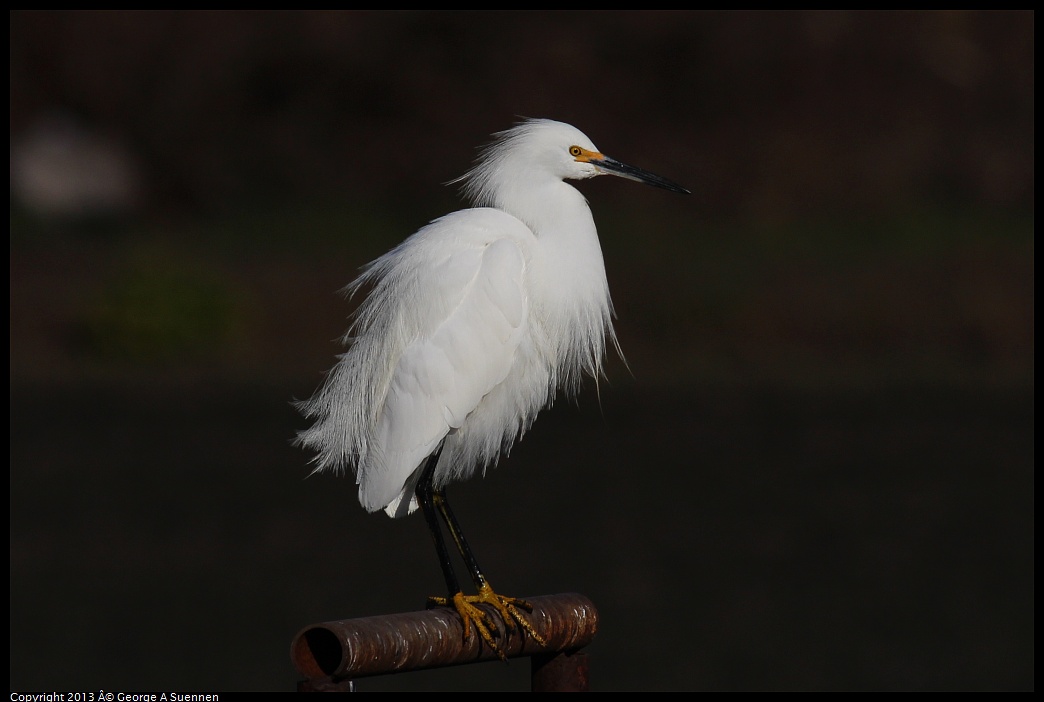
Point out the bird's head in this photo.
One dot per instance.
(543, 149)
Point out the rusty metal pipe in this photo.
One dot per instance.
(433, 638)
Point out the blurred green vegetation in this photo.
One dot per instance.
(929, 295)
(159, 308)
(933, 295)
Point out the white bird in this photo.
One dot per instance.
(471, 327)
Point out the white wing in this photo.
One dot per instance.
(438, 333)
(442, 377)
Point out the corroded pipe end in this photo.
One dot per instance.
(434, 638)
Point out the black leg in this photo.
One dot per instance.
(428, 498)
(458, 538)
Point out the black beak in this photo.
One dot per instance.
(613, 167)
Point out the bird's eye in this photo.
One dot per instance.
(575, 151)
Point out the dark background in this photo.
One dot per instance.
(815, 474)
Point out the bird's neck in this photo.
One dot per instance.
(555, 210)
(569, 268)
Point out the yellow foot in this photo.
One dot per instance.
(507, 607)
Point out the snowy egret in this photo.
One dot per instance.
(471, 326)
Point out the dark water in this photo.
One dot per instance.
(731, 539)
